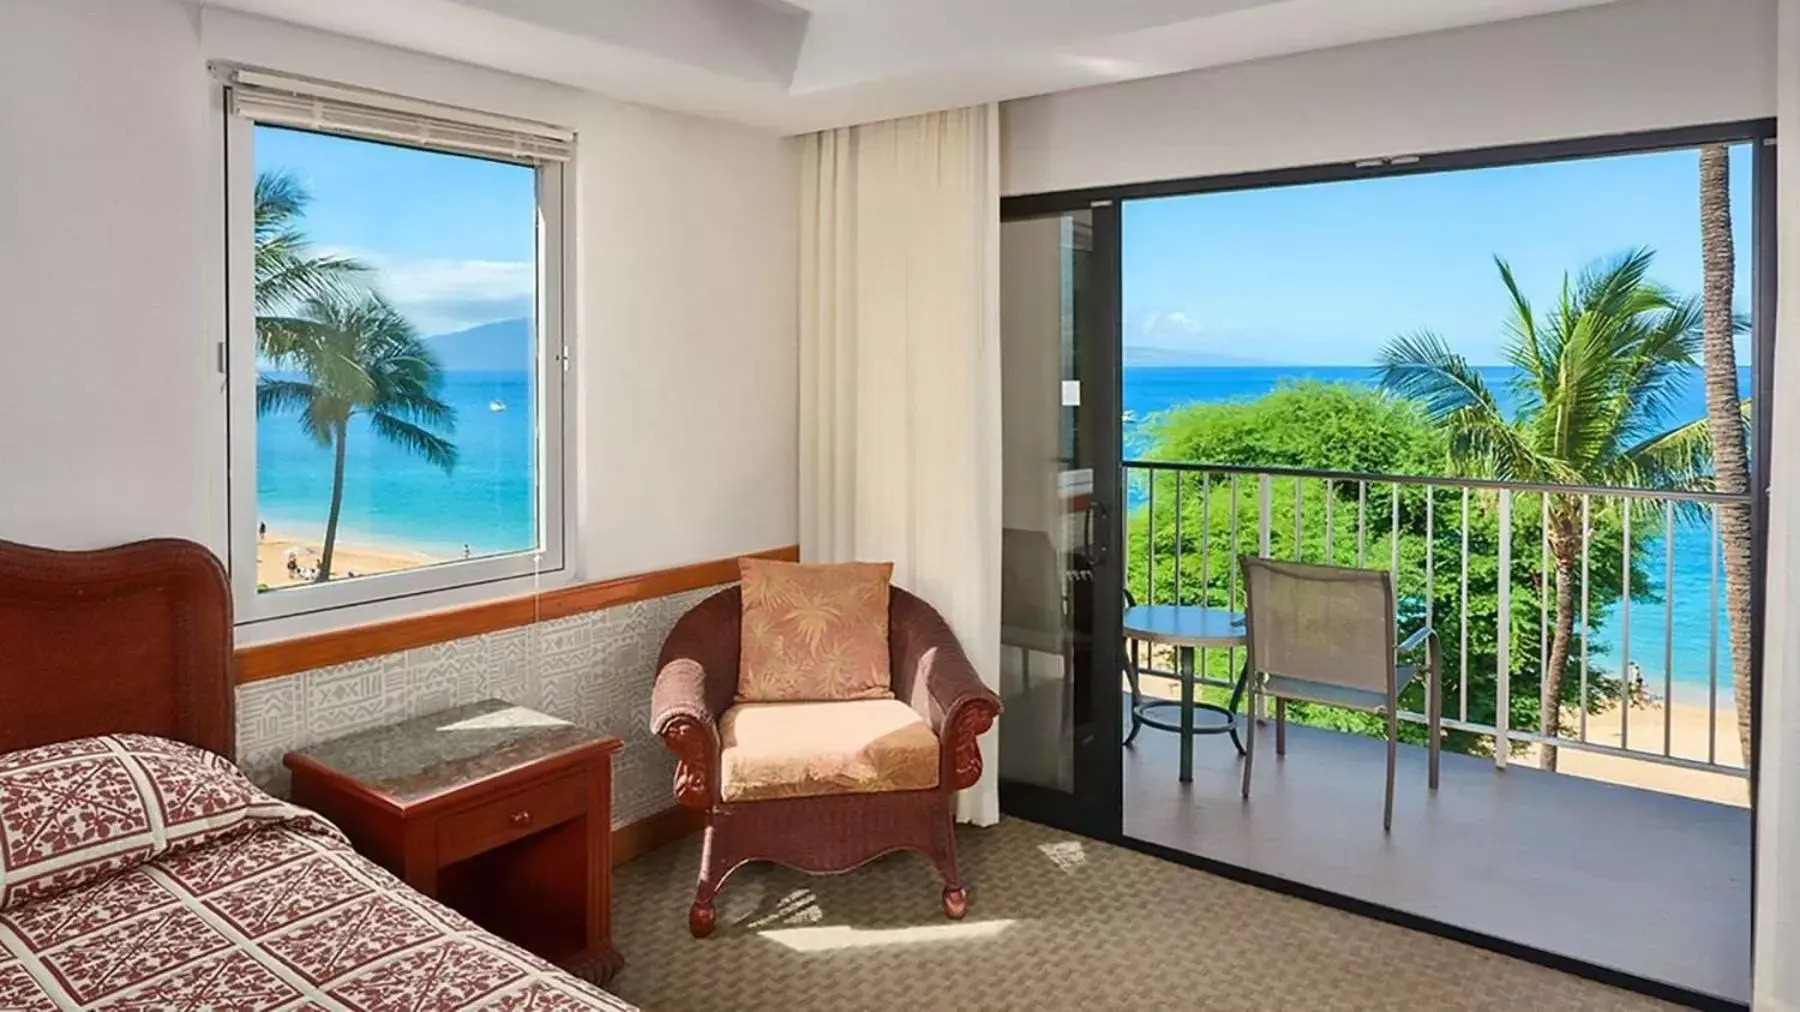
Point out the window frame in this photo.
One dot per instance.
(409, 591)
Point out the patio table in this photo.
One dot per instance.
(1187, 628)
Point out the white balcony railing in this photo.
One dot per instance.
(1441, 537)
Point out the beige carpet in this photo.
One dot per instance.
(1055, 922)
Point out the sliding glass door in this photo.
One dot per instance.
(1378, 366)
(1060, 589)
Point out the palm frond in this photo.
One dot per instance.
(419, 441)
(279, 396)
(285, 278)
(1524, 351)
(1483, 444)
(279, 198)
(1421, 366)
(1667, 346)
(1597, 377)
(324, 418)
(287, 272)
(316, 413)
(1615, 286)
(1678, 458)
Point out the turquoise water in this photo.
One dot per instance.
(1150, 389)
(394, 498)
(487, 502)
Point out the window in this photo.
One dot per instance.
(396, 349)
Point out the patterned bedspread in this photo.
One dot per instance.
(130, 879)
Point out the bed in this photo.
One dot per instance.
(139, 868)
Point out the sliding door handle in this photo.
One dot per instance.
(1099, 548)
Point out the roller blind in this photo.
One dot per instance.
(278, 100)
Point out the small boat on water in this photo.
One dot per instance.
(1128, 417)
(496, 405)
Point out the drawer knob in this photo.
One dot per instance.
(521, 818)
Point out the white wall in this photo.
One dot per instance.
(110, 411)
(1777, 986)
(691, 258)
(111, 416)
(1633, 65)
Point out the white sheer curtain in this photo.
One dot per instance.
(900, 369)
(1778, 789)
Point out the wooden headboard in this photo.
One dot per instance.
(133, 638)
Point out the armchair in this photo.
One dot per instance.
(863, 781)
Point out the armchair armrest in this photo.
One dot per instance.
(932, 674)
(696, 679)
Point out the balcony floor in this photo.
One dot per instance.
(1651, 884)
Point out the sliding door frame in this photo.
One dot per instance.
(1758, 132)
(1095, 807)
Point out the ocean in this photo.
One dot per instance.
(1151, 389)
(392, 497)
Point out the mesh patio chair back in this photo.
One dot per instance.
(1325, 624)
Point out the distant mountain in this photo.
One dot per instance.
(504, 346)
(1156, 355)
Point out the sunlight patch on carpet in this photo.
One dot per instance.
(842, 936)
(1067, 855)
(797, 907)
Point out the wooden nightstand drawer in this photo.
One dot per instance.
(500, 822)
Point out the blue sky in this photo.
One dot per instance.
(1328, 273)
(453, 238)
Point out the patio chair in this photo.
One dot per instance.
(1325, 635)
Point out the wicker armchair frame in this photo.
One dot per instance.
(835, 833)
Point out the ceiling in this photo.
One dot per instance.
(798, 65)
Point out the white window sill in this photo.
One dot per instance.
(274, 630)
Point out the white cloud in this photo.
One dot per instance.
(1169, 329)
(441, 296)
(1176, 322)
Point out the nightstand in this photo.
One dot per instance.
(499, 812)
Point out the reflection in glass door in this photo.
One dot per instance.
(1059, 586)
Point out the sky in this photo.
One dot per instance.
(453, 239)
(1326, 274)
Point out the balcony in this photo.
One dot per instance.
(1632, 851)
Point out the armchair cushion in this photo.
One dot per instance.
(798, 750)
(814, 633)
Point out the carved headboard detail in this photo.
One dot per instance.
(133, 638)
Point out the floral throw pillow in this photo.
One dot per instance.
(814, 633)
(79, 811)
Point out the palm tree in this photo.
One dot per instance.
(360, 357)
(1593, 385)
(287, 272)
(1723, 409)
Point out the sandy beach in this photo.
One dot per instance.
(347, 558)
(1687, 724)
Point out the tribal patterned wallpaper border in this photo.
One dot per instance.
(596, 668)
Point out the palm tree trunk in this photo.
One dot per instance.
(1550, 682)
(337, 503)
(1724, 424)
